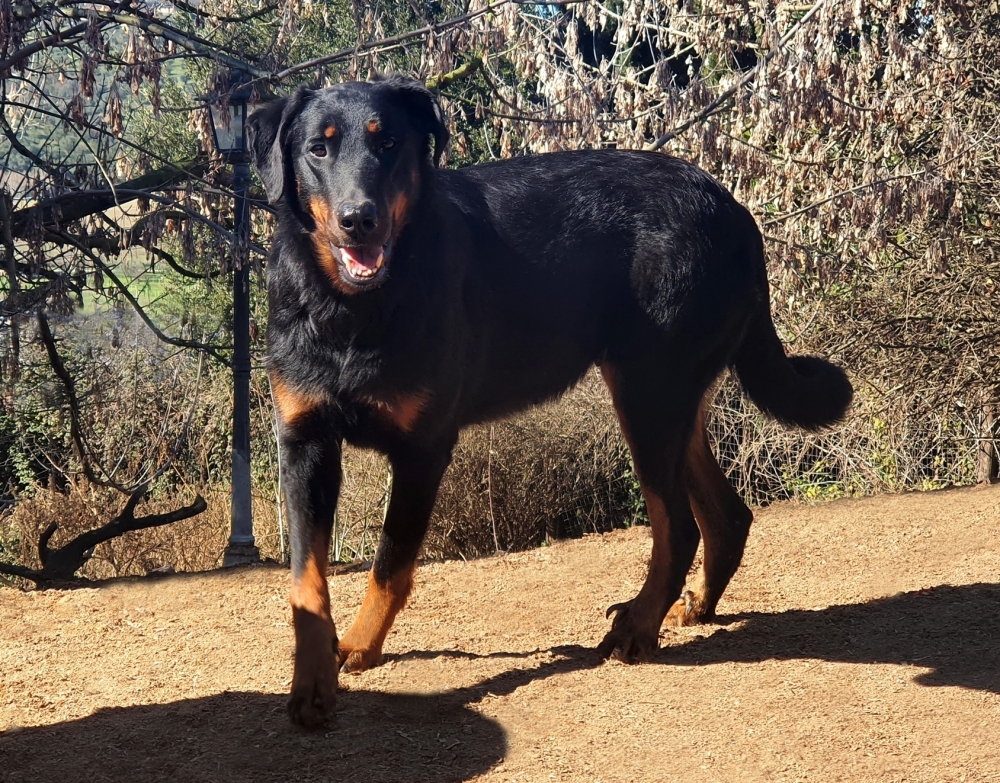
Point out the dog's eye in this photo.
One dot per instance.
(387, 144)
(318, 150)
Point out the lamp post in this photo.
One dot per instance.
(229, 132)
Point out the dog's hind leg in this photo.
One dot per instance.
(416, 475)
(656, 413)
(724, 521)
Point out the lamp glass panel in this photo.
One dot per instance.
(229, 139)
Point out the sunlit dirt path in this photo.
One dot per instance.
(859, 642)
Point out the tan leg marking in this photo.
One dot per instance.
(361, 647)
(314, 682)
(291, 404)
(402, 411)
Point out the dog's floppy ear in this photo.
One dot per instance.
(423, 107)
(267, 129)
(265, 151)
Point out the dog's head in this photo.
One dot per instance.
(348, 162)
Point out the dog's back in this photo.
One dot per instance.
(574, 257)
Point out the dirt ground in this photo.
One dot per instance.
(859, 642)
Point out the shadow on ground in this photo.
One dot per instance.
(952, 631)
(246, 737)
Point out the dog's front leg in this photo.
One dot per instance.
(416, 476)
(310, 455)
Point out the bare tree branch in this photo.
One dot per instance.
(76, 205)
(211, 350)
(62, 36)
(205, 49)
(344, 54)
(61, 565)
(16, 144)
(195, 174)
(83, 451)
(263, 11)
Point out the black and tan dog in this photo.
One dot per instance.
(407, 302)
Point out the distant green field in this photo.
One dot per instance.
(148, 287)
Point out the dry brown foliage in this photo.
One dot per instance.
(862, 134)
(558, 470)
(190, 545)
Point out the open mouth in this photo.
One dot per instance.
(362, 264)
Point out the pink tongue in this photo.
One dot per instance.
(365, 257)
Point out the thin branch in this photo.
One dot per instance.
(185, 427)
(193, 173)
(109, 246)
(873, 183)
(172, 263)
(36, 46)
(184, 41)
(75, 430)
(33, 298)
(344, 54)
(76, 205)
(16, 144)
(264, 11)
(128, 194)
(123, 289)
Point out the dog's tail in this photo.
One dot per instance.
(805, 391)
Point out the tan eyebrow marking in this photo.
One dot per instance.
(373, 126)
(330, 131)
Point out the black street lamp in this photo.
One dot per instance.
(229, 131)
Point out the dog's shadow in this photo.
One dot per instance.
(953, 632)
(246, 737)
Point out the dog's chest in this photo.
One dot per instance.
(376, 365)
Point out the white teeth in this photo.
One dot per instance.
(360, 271)
(364, 271)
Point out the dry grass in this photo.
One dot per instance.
(556, 471)
(194, 544)
(563, 469)
(886, 444)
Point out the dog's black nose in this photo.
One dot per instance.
(358, 220)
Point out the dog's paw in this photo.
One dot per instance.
(355, 660)
(629, 639)
(687, 610)
(314, 684)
